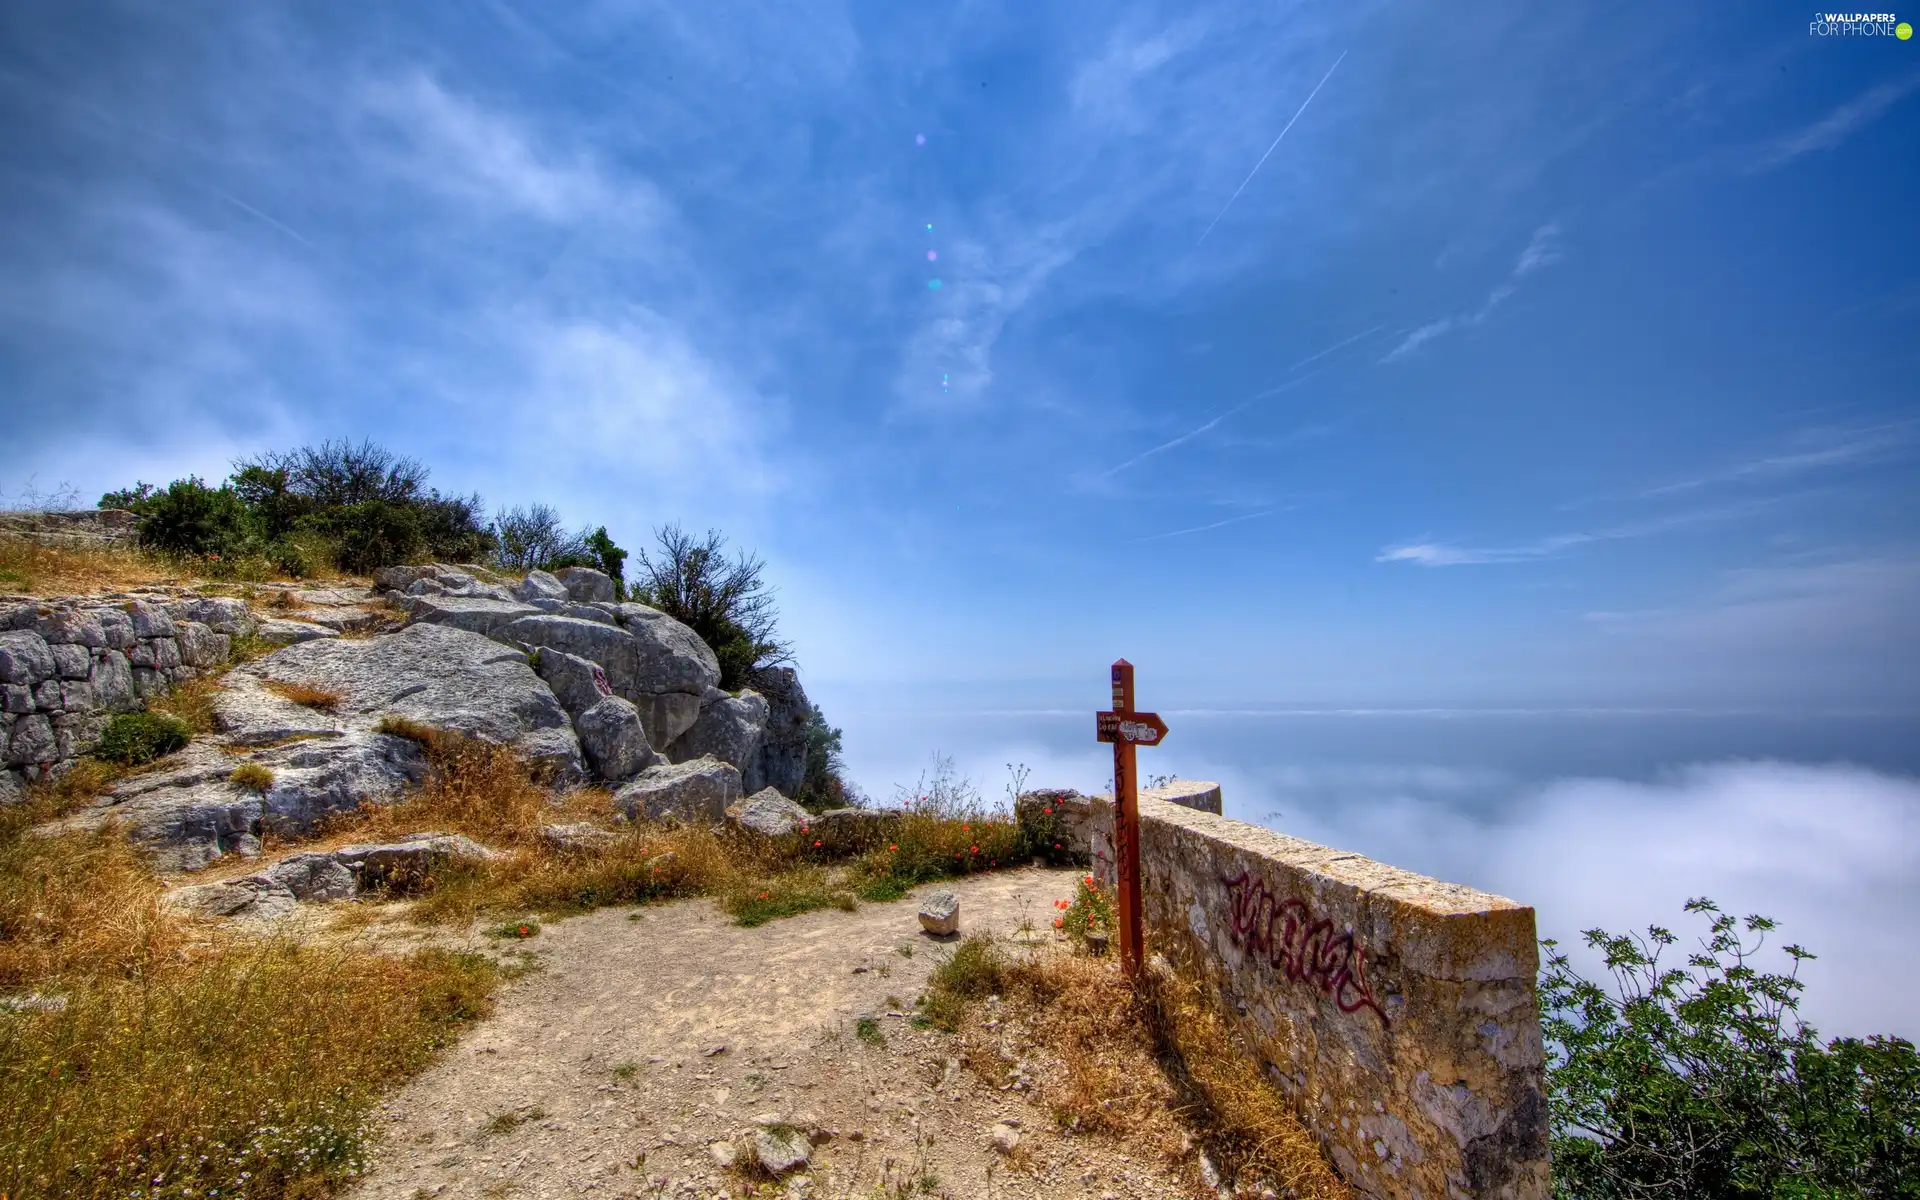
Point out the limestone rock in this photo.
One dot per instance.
(577, 683)
(539, 585)
(70, 626)
(769, 814)
(940, 913)
(781, 1149)
(586, 584)
(577, 838)
(253, 898)
(279, 631)
(700, 790)
(447, 678)
(405, 863)
(221, 614)
(730, 728)
(853, 830)
(613, 739)
(201, 646)
(25, 658)
(314, 876)
(663, 668)
(783, 747)
(475, 613)
(1003, 1137)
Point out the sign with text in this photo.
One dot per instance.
(1142, 729)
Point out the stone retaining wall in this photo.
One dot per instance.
(84, 529)
(66, 666)
(1399, 1012)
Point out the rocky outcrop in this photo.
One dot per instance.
(483, 615)
(328, 761)
(340, 874)
(730, 728)
(85, 529)
(280, 631)
(853, 830)
(613, 739)
(586, 584)
(647, 658)
(783, 747)
(66, 666)
(696, 791)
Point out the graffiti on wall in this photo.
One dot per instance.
(1305, 948)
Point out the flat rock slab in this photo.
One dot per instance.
(607, 1039)
(280, 631)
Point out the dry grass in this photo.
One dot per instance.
(190, 702)
(38, 570)
(165, 1058)
(1156, 1068)
(305, 694)
(251, 776)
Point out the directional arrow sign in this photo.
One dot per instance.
(1139, 728)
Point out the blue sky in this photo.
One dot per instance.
(1555, 355)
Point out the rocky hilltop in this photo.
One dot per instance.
(589, 688)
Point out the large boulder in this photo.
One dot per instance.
(221, 614)
(658, 664)
(586, 584)
(479, 614)
(613, 739)
(578, 683)
(447, 678)
(539, 585)
(279, 631)
(700, 790)
(770, 814)
(853, 830)
(783, 747)
(730, 728)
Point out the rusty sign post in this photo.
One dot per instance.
(1126, 729)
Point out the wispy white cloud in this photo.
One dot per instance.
(1838, 125)
(1852, 446)
(457, 146)
(1442, 554)
(1542, 250)
(1273, 146)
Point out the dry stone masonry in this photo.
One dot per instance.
(1399, 1012)
(66, 666)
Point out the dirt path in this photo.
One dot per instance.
(648, 1035)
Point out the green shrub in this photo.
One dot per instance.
(1704, 1082)
(191, 518)
(371, 534)
(977, 968)
(251, 776)
(610, 559)
(132, 739)
(719, 597)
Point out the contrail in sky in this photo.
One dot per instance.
(1276, 142)
(1287, 386)
(1266, 512)
(244, 206)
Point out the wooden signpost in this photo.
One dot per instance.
(1127, 729)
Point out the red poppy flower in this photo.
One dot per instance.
(1059, 923)
(893, 847)
(966, 829)
(1048, 811)
(973, 849)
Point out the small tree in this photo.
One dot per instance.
(721, 598)
(1704, 1082)
(531, 538)
(191, 518)
(610, 558)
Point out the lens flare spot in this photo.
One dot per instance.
(932, 257)
(919, 139)
(933, 285)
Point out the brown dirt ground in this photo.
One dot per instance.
(646, 1035)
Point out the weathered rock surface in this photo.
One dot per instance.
(853, 830)
(781, 1149)
(478, 614)
(578, 683)
(700, 790)
(769, 814)
(280, 631)
(657, 663)
(577, 838)
(586, 584)
(253, 898)
(539, 585)
(613, 739)
(731, 729)
(783, 746)
(940, 913)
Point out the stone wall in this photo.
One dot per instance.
(66, 666)
(1399, 1012)
(83, 529)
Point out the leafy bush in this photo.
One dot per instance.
(192, 518)
(823, 786)
(531, 538)
(132, 739)
(721, 598)
(610, 559)
(1704, 1082)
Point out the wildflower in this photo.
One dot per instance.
(973, 849)
(1059, 922)
(1048, 811)
(1056, 845)
(763, 895)
(1090, 882)
(816, 844)
(524, 931)
(893, 847)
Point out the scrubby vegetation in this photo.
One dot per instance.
(133, 739)
(1152, 1064)
(1703, 1081)
(144, 1054)
(720, 597)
